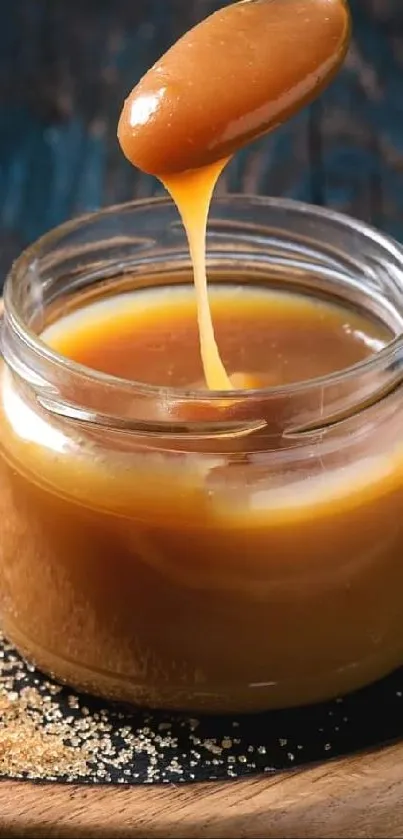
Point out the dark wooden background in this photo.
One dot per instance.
(66, 65)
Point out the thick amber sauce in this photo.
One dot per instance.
(235, 76)
(276, 337)
(201, 580)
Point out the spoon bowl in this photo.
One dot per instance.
(234, 77)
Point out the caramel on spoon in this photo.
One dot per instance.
(237, 75)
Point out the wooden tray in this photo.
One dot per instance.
(360, 796)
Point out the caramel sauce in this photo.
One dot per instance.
(192, 193)
(193, 579)
(235, 76)
(276, 337)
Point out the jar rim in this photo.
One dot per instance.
(38, 346)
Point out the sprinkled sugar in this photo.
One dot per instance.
(49, 733)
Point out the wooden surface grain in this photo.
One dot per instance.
(357, 798)
(65, 66)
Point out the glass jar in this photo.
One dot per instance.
(159, 550)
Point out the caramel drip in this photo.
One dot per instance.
(192, 193)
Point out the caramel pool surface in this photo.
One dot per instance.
(191, 578)
(277, 337)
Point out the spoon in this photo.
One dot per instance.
(235, 76)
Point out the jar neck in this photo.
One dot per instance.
(286, 242)
(262, 419)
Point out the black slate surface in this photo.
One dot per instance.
(140, 747)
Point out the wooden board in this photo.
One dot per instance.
(361, 796)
